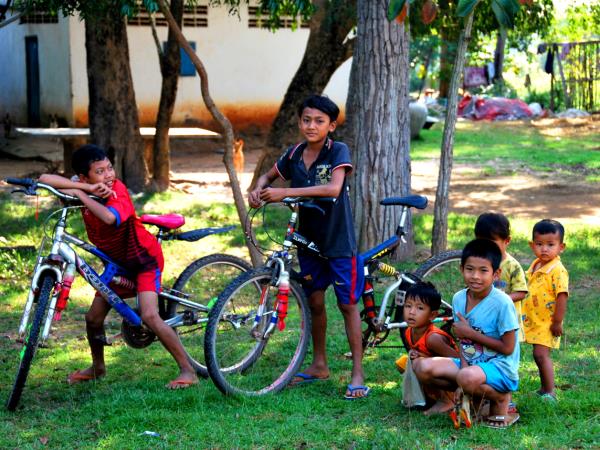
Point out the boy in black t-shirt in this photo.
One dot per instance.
(318, 167)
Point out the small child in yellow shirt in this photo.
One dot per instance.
(545, 307)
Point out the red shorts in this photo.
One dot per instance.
(144, 281)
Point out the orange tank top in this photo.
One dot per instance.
(421, 344)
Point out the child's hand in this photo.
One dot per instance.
(462, 329)
(414, 354)
(271, 195)
(254, 198)
(556, 329)
(100, 190)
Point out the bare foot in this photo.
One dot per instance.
(183, 381)
(442, 406)
(88, 374)
(310, 374)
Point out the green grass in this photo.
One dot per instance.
(512, 147)
(114, 412)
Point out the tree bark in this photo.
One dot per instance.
(378, 118)
(170, 63)
(225, 124)
(499, 55)
(440, 221)
(325, 52)
(113, 114)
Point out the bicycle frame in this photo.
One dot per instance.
(62, 261)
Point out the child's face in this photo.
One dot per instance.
(547, 246)
(100, 172)
(314, 125)
(479, 275)
(416, 313)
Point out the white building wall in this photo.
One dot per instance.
(55, 78)
(249, 70)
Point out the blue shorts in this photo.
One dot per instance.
(346, 275)
(494, 377)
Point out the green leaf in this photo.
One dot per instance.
(465, 7)
(505, 11)
(394, 8)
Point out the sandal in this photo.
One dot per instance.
(502, 421)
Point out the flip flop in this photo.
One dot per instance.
(78, 377)
(353, 389)
(501, 422)
(180, 384)
(302, 378)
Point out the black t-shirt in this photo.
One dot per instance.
(333, 231)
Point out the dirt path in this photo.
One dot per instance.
(198, 170)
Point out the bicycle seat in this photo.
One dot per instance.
(416, 201)
(168, 221)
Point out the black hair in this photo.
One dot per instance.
(321, 103)
(426, 293)
(492, 226)
(84, 156)
(549, 226)
(482, 248)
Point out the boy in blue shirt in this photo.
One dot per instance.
(485, 322)
(317, 167)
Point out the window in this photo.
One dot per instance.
(38, 16)
(186, 68)
(193, 16)
(257, 21)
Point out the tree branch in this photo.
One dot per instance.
(225, 124)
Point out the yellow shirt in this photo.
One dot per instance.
(512, 279)
(538, 307)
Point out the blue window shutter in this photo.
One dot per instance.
(187, 68)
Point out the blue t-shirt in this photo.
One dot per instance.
(493, 316)
(333, 231)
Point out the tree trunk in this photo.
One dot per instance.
(170, 63)
(238, 197)
(440, 221)
(377, 113)
(325, 52)
(499, 55)
(447, 56)
(113, 115)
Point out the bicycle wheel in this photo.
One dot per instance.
(443, 271)
(239, 359)
(46, 285)
(203, 280)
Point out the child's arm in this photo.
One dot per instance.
(560, 309)
(331, 189)
(263, 181)
(438, 345)
(517, 296)
(79, 189)
(59, 182)
(504, 345)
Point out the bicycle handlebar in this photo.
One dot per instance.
(32, 185)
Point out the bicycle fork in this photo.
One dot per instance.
(280, 308)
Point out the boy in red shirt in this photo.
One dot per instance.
(116, 230)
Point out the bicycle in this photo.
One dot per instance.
(57, 263)
(262, 320)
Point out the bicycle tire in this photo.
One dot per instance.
(237, 361)
(31, 340)
(443, 271)
(204, 279)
